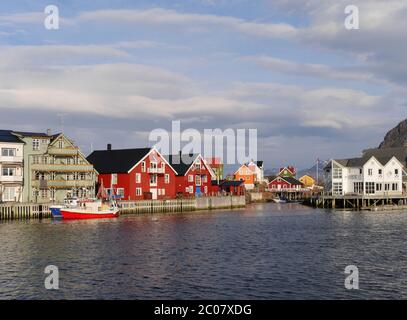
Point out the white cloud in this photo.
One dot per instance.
(312, 69)
(159, 16)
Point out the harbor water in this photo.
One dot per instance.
(265, 251)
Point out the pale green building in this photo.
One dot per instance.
(54, 168)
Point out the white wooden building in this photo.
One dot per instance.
(377, 172)
(11, 167)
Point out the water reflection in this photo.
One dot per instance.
(265, 251)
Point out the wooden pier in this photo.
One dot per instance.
(24, 211)
(360, 202)
(20, 211)
(155, 206)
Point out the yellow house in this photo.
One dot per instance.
(307, 181)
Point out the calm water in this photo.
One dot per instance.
(266, 251)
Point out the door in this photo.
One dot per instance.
(153, 194)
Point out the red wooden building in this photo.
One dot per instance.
(229, 187)
(135, 174)
(193, 175)
(285, 184)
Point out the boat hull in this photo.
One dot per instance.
(77, 214)
(56, 211)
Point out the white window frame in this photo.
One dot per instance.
(139, 192)
(138, 177)
(36, 144)
(120, 192)
(8, 152)
(167, 178)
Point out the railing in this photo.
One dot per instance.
(62, 167)
(63, 151)
(156, 170)
(62, 183)
(11, 159)
(11, 178)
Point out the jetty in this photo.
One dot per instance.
(359, 202)
(20, 211)
(24, 211)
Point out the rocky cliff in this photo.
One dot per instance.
(396, 137)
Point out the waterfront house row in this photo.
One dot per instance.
(42, 167)
(144, 173)
(377, 172)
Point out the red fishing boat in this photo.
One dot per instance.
(89, 209)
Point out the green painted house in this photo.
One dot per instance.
(54, 168)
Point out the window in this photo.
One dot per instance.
(190, 178)
(60, 144)
(380, 171)
(337, 188)
(387, 187)
(9, 194)
(167, 178)
(191, 189)
(163, 192)
(52, 193)
(114, 178)
(138, 178)
(34, 193)
(143, 166)
(369, 187)
(337, 173)
(369, 172)
(197, 180)
(395, 187)
(36, 144)
(159, 192)
(120, 192)
(43, 193)
(379, 187)
(153, 179)
(163, 165)
(206, 189)
(205, 178)
(44, 160)
(396, 171)
(8, 152)
(9, 172)
(138, 192)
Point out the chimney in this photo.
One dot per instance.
(109, 146)
(48, 132)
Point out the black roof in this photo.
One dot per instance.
(227, 183)
(178, 163)
(116, 161)
(290, 180)
(32, 134)
(231, 183)
(8, 136)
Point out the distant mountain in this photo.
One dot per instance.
(396, 137)
(313, 170)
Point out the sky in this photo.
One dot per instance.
(116, 70)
